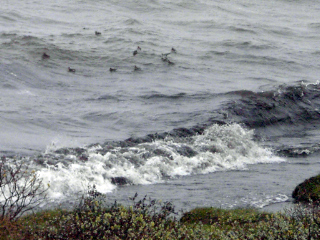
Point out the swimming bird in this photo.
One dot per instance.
(97, 33)
(45, 56)
(135, 52)
(113, 69)
(173, 50)
(164, 58)
(71, 69)
(165, 54)
(136, 68)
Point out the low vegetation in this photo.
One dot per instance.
(21, 190)
(151, 219)
(301, 222)
(308, 191)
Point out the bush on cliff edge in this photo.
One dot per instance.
(308, 191)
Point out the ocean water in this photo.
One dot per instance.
(233, 122)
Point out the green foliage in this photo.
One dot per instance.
(224, 217)
(301, 222)
(151, 219)
(145, 219)
(307, 191)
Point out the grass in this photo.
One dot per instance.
(209, 216)
(301, 222)
(151, 219)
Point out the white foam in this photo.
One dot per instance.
(268, 200)
(76, 177)
(219, 148)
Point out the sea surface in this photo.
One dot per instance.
(223, 110)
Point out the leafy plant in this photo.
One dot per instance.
(144, 219)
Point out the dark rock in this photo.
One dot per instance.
(40, 161)
(186, 151)
(183, 132)
(64, 151)
(120, 181)
(84, 157)
(307, 191)
(79, 151)
(160, 152)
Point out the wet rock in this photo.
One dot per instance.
(186, 151)
(79, 151)
(183, 132)
(120, 181)
(163, 153)
(64, 151)
(40, 161)
(84, 157)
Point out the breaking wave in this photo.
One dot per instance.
(134, 161)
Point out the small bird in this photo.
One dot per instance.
(165, 54)
(113, 69)
(173, 50)
(71, 69)
(136, 68)
(45, 56)
(164, 58)
(135, 52)
(97, 33)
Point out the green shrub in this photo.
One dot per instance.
(300, 222)
(307, 191)
(151, 219)
(145, 219)
(223, 216)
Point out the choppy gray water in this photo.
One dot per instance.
(233, 122)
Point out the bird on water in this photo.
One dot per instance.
(164, 56)
(71, 69)
(135, 52)
(136, 68)
(45, 56)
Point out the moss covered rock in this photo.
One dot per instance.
(307, 191)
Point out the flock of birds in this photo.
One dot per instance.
(164, 58)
